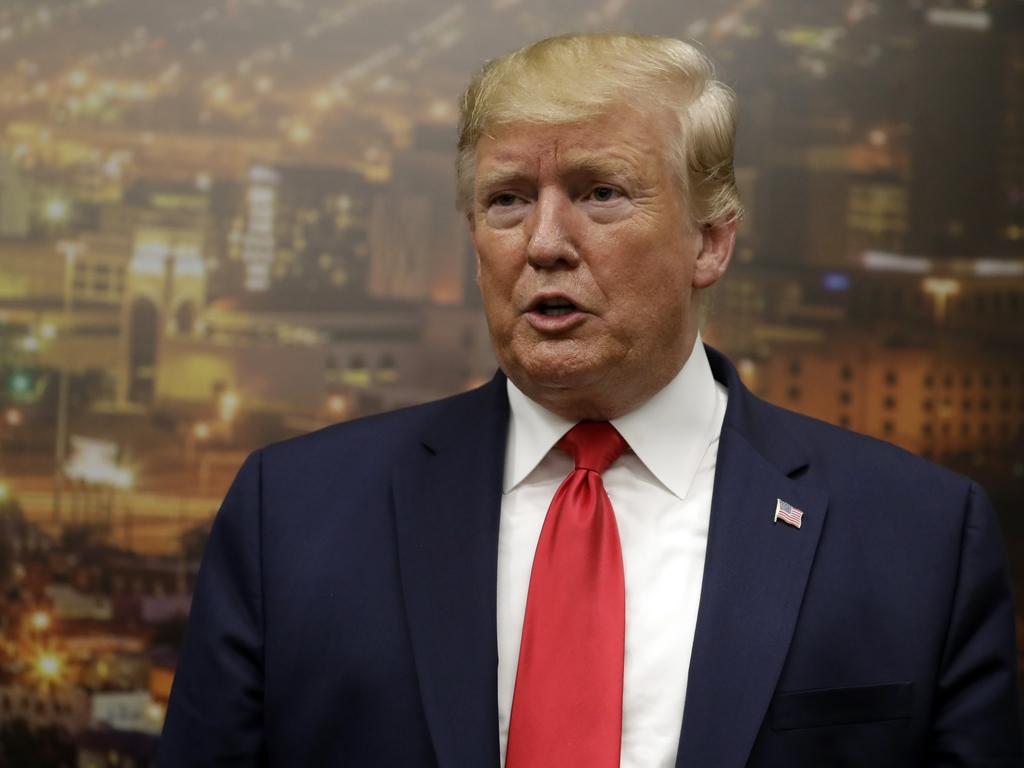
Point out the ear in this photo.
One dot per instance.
(718, 240)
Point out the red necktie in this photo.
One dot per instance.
(567, 705)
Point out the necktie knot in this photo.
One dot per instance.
(594, 445)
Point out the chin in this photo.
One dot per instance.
(560, 374)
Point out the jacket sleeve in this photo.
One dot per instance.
(215, 712)
(976, 721)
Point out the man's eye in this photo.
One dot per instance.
(604, 194)
(504, 200)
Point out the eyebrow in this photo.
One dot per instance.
(589, 165)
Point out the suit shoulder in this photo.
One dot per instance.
(847, 455)
(366, 439)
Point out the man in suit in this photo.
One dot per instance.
(612, 554)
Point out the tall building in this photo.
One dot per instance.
(305, 231)
(957, 94)
(1010, 224)
(15, 200)
(419, 246)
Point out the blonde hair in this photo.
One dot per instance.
(572, 78)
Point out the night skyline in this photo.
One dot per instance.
(225, 224)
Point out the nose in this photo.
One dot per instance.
(551, 242)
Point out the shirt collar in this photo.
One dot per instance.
(669, 433)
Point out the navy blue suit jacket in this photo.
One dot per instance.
(345, 609)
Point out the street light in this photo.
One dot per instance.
(39, 620)
(13, 417)
(227, 406)
(941, 289)
(48, 667)
(56, 210)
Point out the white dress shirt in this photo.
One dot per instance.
(661, 493)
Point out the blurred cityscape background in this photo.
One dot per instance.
(226, 222)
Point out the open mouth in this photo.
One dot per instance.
(555, 307)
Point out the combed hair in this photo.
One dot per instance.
(572, 78)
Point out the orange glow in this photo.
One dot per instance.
(39, 621)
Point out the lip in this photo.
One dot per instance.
(556, 324)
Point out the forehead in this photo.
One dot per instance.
(623, 140)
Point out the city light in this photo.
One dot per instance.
(300, 133)
(56, 210)
(48, 667)
(941, 289)
(95, 461)
(201, 431)
(78, 78)
(221, 93)
(21, 384)
(5, 492)
(13, 417)
(39, 621)
(322, 100)
(227, 405)
(337, 405)
(881, 261)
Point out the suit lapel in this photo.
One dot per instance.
(755, 575)
(447, 498)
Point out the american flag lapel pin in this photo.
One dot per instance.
(787, 513)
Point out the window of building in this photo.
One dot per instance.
(844, 421)
(926, 405)
(965, 429)
(890, 378)
(846, 373)
(793, 393)
(845, 397)
(928, 381)
(887, 428)
(968, 380)
(966, 405)
(984, 404)
(947, 380)
(889, 403)
(794, 367)
(926, 429)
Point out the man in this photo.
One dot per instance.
(616, 555)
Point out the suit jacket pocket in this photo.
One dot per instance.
(838, 706)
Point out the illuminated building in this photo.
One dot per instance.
(1011, 147)
(954, 186)
(305, 231)
(890, 349)
(374, 355)
(259, 244)
(15, 200)
(419, 245)
(65, 706)
(166, 286)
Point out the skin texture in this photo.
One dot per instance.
(590, 212)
